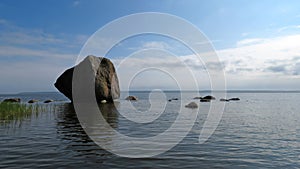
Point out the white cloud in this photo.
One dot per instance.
(76, 3)
(27, 76)
(153, 45)
(270, 63)
(156, 45)
(267, 63)
(11, 51)
(286, 28)
(253, 41)
(3, 21)
(245, 34)
(32, 59)
(259, 56)
(253, 63)
(26, 38)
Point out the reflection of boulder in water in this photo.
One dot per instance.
(110, 113)
(74, 139)
(69, 128)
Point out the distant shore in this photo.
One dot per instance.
(200, 91)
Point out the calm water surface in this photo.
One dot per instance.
(260, 131)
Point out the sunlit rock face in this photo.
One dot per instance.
(95, 68)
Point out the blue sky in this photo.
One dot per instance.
(257, 41)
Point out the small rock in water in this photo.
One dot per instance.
(32, 101)
(103, 101)
(209, 98)
(192, 105)
(48, 101)
(133, 98)
(12, 100)
(235, 99)
(197, 97)
(224, 100)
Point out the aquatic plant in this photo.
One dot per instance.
(16, 111)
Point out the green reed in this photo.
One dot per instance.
(16, 111)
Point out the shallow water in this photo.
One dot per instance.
(261, 130)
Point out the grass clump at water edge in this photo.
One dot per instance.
(16, 111)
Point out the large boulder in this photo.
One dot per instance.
(102, 69)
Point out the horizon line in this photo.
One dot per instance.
(173, 90)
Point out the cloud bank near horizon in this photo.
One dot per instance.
(31, 60)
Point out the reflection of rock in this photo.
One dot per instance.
(12, 100)
(204, 100)
(98, 68)
(235, 99)
(209, 98)
(32, 101)
(48, 101)
(133, 98)
(70, 130)
(192, 105)
(224, 100)
(110, 113)
(173, 99)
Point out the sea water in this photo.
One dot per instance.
(262, 130)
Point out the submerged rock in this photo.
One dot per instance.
(192, 105)
(133, 98)
(197, 97)
(12, 100)
(98, 68)
(32, 101)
